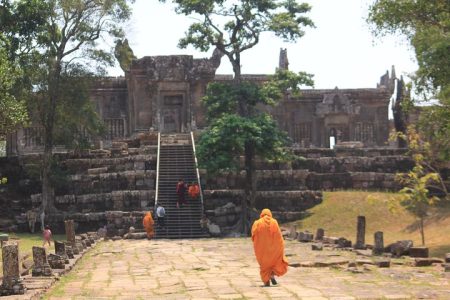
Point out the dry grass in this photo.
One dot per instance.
(338, 212)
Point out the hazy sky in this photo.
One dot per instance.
(340, 51)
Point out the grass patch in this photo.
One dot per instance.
(26, 242)
(338, 212)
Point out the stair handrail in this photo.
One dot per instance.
(196, 170)
(157, 169)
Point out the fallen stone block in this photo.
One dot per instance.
(425, 262)
(447, 267)
(344, 243)
(56, 261)
(317, 247)
(364, 252)
(418, 252)
(321, 264)
(364, 262)
(383, 263)
(330, 240)
(136, 235)
(305, 237)
(399, 248)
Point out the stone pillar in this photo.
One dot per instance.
(70, 235)
(360, 233)
(12, 283)
(70, 231)
(41, 266)
(60, 249)
(320, 233)
(378, 247)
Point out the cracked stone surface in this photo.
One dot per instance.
(227, 269)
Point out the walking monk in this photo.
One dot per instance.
(268, 244)
(148, 225)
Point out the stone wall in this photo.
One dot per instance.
(122, 179)
(223, 206)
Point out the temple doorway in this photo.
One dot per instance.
(332, 138)
(172, 114)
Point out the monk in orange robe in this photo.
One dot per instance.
(148, 225)
(268, 244)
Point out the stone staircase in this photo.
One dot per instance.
(176, 160)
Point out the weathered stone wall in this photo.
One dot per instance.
(223, 207)
(323, 169)
(122, 179)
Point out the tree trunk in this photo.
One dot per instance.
(48, 195)
(248, 202)
(422, 231)
(250, 185)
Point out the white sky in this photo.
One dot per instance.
(340, 51)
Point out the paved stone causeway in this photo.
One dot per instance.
(227, 269)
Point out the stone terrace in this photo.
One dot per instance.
(227, 269)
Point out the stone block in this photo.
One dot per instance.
(399, 248)
(96, 171)
(422, 262)
(425, 262)
(383, 263)
(320, 233)
(447, 258)
(317, 247)
(419, 252)
(344, 243)
(41, 266)
(330, 240)
(447, 267)
(56, 261)
(305, 237)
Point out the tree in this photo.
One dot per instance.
(416, 196)
(64, 43)
(233, 27)
(12, 111)
(426, 25)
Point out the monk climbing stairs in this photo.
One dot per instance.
(176, 160)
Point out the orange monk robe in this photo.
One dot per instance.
(268, 244)
(148, 225)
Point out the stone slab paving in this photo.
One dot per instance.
(227, 269)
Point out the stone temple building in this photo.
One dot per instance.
(163, 93)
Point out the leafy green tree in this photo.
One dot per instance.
(415, 196)
(233, 27)
(426, 25)
(12, 111)
(64, 43)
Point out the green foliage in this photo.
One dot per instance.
(235, 26)
(225, 98)
(426, 25)
(221, 146)
(58, 49)
(77, 121)
(12, 111)
(285, 80)
(435, 125)
(415, 195)
(3, 180)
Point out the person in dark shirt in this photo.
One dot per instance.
(181, 191)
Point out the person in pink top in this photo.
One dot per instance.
(47, 236)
